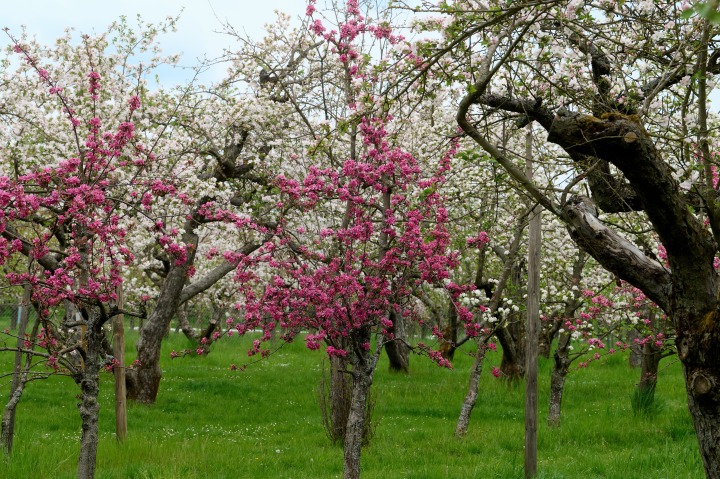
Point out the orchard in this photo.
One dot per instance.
(525, 188)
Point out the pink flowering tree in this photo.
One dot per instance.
(191, 213)
(65, 220)
(382, 234)
(342, 285)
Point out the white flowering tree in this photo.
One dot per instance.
(621, 90)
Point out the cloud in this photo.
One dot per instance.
(198, 29)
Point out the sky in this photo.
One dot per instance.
(196, 37)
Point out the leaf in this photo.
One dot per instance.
(688, 13)
(714, 17)
(427, 192)
(707, 10)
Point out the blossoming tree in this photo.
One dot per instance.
(65, 219)
(383, 234)
(621, 90)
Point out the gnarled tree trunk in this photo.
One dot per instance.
(143, 382)
(699, 352)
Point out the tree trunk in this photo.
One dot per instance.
(364, 363)
(512, 340)
(562, 361)
(362, 380)
(8, 418)
(561, 364)
(89, 382)
(143, 382)
(89, 413)
(512, 336)
(700, 355)
(397, 351)
(703, 404)
(472, 394)
(398, 355)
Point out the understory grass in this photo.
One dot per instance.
(264, 422)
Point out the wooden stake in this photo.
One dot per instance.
(533, 326)
(119, 370)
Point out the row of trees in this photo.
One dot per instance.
(324, 189)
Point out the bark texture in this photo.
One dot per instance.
(363, 363)
(362, 380)
(89, 381)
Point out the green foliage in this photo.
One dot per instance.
(265, 422)
(707, 10)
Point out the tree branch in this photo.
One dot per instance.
(615, 253)
(215, 275)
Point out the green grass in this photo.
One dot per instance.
(210, 422)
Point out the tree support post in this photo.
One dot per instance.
(119, 370)
(533, 326)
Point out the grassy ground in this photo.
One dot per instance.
(210, 422)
